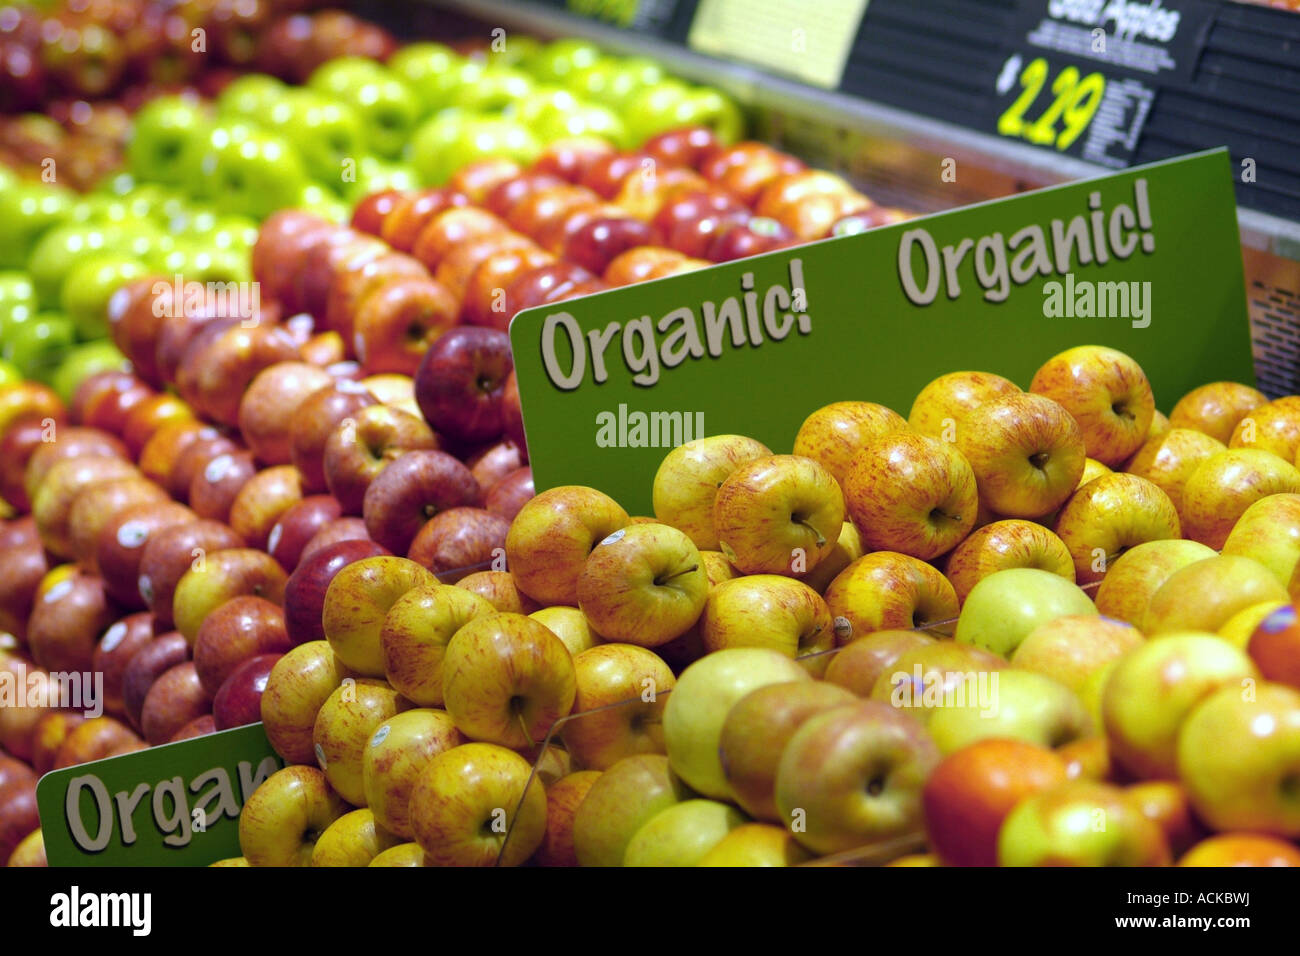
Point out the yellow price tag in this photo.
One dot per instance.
(1075, 100)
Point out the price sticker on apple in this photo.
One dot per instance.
(173, 805)
(1147, 261)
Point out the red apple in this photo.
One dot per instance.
(69, 442)
(169, 553)
(216, 368)
(494, 462)
(411, 213)
(460, 383)
(412, 489)
(173, 700)
(313, 421)
(459, 538)
(214, 487)
(340, 529)
(114, 652)
(451, 227)
(304, 592)
(262, 500)
(368, 215)
(67, 620)
(398, 321)
(146, 666)
(360, 447)
(268, 407)
(297, 525)
(22, 567)
(243, 627)
(239, 701)
(120, 547)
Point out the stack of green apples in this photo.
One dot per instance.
(524, 95)
(64, 254)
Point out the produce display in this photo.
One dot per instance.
(263, 460)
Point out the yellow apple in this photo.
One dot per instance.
(698, 706)
(415, 633)
(1204, 595)
(1274, 427)
(1027, 454)
(688, 480)
(281, 822)
(1107, 393)
(1170, 459)
(619, 803)
(570, 625)
(1126, 589)
(756, 844)
(911, 493)
(885, 590)
(682, 834)
(1216, 408)
(848, 548)
(344, 725)
(351, 840)
(1006, 606)
(1110, 515)
(1239, 757)
(1226, 484)
(1153, 688)
(940, 408)
(778, 515)
(835, 434)
(1069, 649)
(768, 610)
(599, 733)
(562, 801)
(551, 537)
(1269, 532)
(1011, 543)
(399, 749)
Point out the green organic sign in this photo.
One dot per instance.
(1147, 261)
(174, 805)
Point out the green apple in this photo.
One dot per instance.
(428, 69)
(63, 248)
(250, 172)
(682, 834)
(83, 361)
(28, 212)
(16, 289)
(375, 175)
(622, 800)
(1239, 758)
(317, 199)
(37, 345)
(10, 373)
(1019, 705)
(230, 232)
(613, 81)
(493, 90)
(1153, 688)
(756, 844)
(698, 706)
(163, 131)
(437, 152)
(327, 133)
(1003, 608)
(89, 286)
(198, 262)
(555, 113)
(251, 96)
(558, 61)
(388, 109)
(1080, 823)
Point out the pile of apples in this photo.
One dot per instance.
(959, 632)
(53, 54)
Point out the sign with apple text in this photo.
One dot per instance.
(173, 805)
(1147, 261)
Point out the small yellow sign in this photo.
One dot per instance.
(809, 41)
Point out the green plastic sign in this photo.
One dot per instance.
(1147, 261)
(174, 805)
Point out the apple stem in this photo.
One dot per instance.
(519, 714)
(690, 570)
(821, 539)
